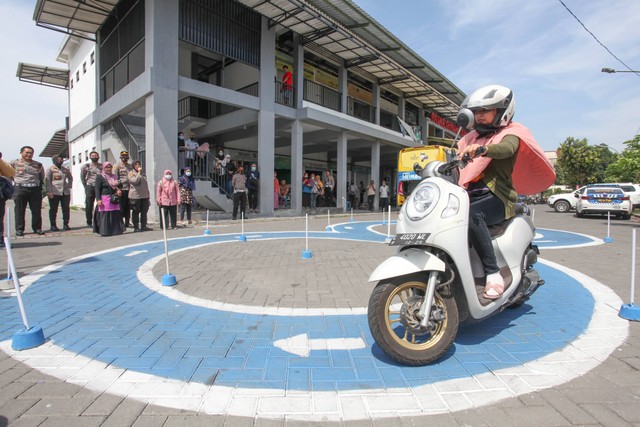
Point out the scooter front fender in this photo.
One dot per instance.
(412, 260)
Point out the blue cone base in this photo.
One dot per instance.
(168, 280)
(608, 239)
(207, 232)
(329, 228)
(352, 220)
(25, 339)
(629, 312)
(307, 254)
(243, 238)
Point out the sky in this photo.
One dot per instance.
(536, 48)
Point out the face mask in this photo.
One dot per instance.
(220, 153)
(58, 164)
(168, 176)
(181, 137)
(94, 159)
(253, 169)
(188, 173)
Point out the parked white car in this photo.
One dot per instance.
(568, 201)
(600, 200)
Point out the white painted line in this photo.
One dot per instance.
(134, 253)
(302, 346)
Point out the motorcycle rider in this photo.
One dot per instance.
(509, 163)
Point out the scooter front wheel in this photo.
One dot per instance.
(395, 326)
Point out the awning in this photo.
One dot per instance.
(43, 75)
(57, 145)
(340, 29)
(80, 17)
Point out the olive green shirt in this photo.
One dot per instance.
(497, 175)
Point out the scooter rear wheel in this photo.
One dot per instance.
(393, 306)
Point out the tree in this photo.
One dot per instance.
(580, 163)
(627, 167)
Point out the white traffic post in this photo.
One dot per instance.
(30, 336)
(207, 232)
(631, 311)
(306, 254)
(243, 238)
(608, 239)
(168, 279)
(328, 220)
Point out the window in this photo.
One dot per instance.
(86, 155)
(84, 68)
(77, 76)
(71, 82)
(73, 159)
(93, 57)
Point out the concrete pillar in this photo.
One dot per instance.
(375, 171)
(343, 78)
(297, 136)
(298, 71)
(375, 92)
(424, 125)
(266, 117)
(341, 177)
(161, 105)
(401, 107)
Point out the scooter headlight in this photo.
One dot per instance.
(422, 201)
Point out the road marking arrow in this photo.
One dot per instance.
(134, 253)
(301, 345)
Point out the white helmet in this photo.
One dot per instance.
(490, 97)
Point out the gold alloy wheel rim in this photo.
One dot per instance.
(392, 318)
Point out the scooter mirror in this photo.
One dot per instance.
(465, 119)
(418, 169)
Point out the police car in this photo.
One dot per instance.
(600, 200)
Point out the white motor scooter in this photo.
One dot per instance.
(436, 280)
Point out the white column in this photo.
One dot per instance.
(341, 178)
(161, 105)
(375, 92)
(297, 136)
(266, 117)
(424, 125)
(298, 71)
(375, 171)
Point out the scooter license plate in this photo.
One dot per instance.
(405, 239)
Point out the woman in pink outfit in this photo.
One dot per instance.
(168, 199)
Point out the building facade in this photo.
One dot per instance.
(140, 71)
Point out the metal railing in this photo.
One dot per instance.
(285, 94)
(136, 150)
(361, 110)
(205, 166)
(192, 106)
(322, 95)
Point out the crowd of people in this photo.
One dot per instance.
(117, 196)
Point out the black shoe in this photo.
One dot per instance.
(66, 227)
(2, 246)
(146, 229)
(39, 232)
(53, 228)
(19, 233)
(89, 224)
(136, 230)
(129, 225)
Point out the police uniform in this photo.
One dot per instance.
(88, 177)
(122, 170)
(58, 183)
(28, 182)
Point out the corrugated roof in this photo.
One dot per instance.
(342, 29)
(80, 17)
(43, 75)
(57, 145)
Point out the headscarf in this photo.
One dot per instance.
(167, 184)
(187, 181)
(111, 178)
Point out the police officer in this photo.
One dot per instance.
(58, 183)
(88, 177)
(122, 169)
(28, 182)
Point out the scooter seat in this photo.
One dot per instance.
(498, 229)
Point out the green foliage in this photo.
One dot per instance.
(580, 163)
(627, 167)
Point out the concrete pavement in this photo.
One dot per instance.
(271, 274)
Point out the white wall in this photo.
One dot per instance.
(79, 150)
(82, 97)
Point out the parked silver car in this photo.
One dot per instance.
(600, 200)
